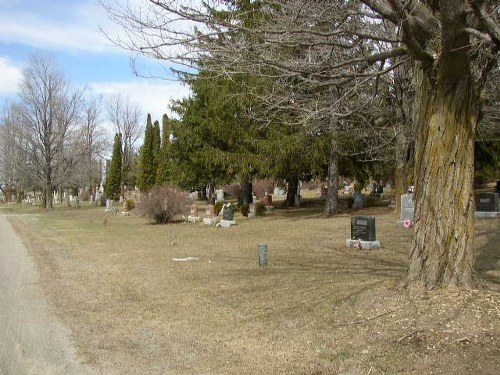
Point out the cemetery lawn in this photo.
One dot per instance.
(188, 299)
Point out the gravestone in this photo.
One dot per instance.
(487, 202)
(267, 199)
(407, 208)
(251, 210)
(193, 217)
(227, 212)
(363, 228)
(210, 218)
(359, 201)
(262, 254)
(487, 205)
(109, 205)
(363, 234)
(219, 194)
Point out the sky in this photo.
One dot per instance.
(68, 32)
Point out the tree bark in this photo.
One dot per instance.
(332, 192)
(246, 192)
(291, 192)
(442, 252)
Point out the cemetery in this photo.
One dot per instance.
(272, 188)
(283, 282)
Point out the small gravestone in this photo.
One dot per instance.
(262, 254)
(227, 216)
(359, 201)
(193, 217)
(363, 234)
(407, 208)
(267, 199)
(109, 205)
(487, 205)
(210, 218)
(251, 210)
(227, 212)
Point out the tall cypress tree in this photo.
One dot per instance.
(147, 165)
(114, 180)
(162, 175)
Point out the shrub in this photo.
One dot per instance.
(162, 203)
(218, 206)
(244, 209)
(129, 204)
(260, 209)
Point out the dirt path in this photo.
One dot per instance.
(32, 341)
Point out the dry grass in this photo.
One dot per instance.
(317, 309)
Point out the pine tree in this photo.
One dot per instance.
(114, 180)
(162, 175)
(156, 141)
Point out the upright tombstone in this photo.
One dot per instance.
(251, 210)
(487, 205)
(407, 208)
(219, 195)
(363, 233)
(227, 212)
(227, 216)
(193, 217)
(210, 218)
(359, 201)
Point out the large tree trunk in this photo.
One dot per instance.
(446, 114)
(246, 192)
(332, 192)
(291, 192)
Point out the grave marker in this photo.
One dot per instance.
(363, 234)
(363, 228)
(407, 208)
(487, 205)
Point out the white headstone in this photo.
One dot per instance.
(407, 207)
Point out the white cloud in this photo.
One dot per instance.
(10, 77)
(152, 97)
(78, 34)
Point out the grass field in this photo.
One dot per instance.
(136, 306)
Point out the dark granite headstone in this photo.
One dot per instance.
(359, 201)
(363, 228)
(487, 202)
(227, 212)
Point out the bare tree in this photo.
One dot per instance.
(48, 110)
(93, 142)
(452, 45)
(125, 117)
(13, 160)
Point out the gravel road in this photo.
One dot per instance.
(32, 341)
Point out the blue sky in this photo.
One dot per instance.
(68, 31)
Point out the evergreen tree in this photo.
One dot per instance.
(162, 175)
(147, 165)
(114, 180)
(156, 142)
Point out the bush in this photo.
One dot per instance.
(162, 203)
(129, 204)
(218, 206)
(244, 209)
(260, 209)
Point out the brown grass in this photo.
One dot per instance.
(317, 309)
